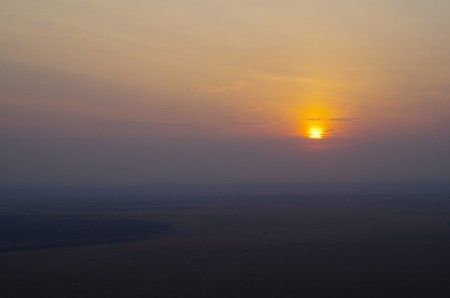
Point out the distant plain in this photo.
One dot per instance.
(226, 246)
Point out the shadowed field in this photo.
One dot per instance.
(24, 232)
(229, 246)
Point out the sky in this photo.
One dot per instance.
(200, 91)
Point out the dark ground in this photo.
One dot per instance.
(226, 246)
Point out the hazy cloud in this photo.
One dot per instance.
(220, 87)
(337, 119)
(250, 122)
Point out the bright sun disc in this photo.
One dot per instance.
(315, 133)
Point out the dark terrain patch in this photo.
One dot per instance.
(27, 232)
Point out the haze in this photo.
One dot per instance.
(132, 92)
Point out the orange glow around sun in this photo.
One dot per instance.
(314, 117)
(315, 133)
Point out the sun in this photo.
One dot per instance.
(315, 133)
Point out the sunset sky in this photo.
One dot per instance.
(201, 91)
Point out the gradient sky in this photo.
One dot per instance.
(201, 91)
